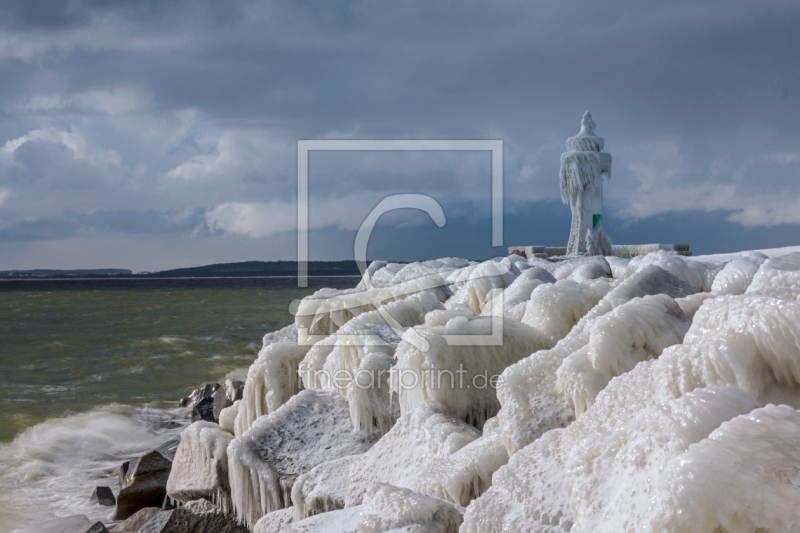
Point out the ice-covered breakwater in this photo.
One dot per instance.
(657, 393)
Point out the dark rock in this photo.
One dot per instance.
(123, 474)
(67, 524)
(199, 516)
(136, 521)
(229, 392)
(103, 496)
(147, 485)
(204, 410)
(203, 391)
(97, 527)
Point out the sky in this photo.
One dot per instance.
(154, 135)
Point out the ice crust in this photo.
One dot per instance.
(466, 474)
(531, 403)
(736, 276)
(417, 439)
(200, 467)
(322, 489)
(698, 274)
(779, 277)
(461, 373)
(271, 381)
(394, 509)
(310, 429)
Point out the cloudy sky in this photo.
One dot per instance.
(152, 135)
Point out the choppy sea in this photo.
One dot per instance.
(91, 372)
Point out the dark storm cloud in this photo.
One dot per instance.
(194, 107)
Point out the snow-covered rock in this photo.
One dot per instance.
(200, 467)
(461, 365)
(531, 404)
(274, 522)
(779, 277)
(466, 474)
(343, 521)
(310, 429)
(736, 276)
(323, 488)
(482, 283)
(418, 438)
(698, 274)
(393, 509)
(510, 303)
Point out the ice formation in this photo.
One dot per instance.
(466, 474)
(735, 277)
(742, 478)
(779, 277)
(418, 438)
(462, 364)
(583, 169)
(393, 509)
(698, 274)
(272, 379)
(531, 405)
(227, 417)
(324, 312)
(322, 489)
(629, 400)
(612, 477)
(311, 428)
(200, 467)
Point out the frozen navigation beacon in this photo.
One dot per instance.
(583, 169)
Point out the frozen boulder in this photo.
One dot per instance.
(736, 276)
(779, 277)
(274, 522)
(531, 403)
(691, 304)
(742, 478)
(229, 392)
(271, 380)
(322, 489)
(609, 492)
(343, 521)
(419, 437)
(227, 417)
(200, 468)
(394, 509)
(466, 474)
(264, 463)
(698, 274)
(511, 302)
(482, 283)
(461, 366)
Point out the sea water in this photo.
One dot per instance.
(91, 375)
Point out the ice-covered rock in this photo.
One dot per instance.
(465, 475)
(322, 489)
(531, 405)
(617, 341)
(698, 274)
(612, 477)
(690, 304)
(343, 521)
(200, 468)
(619, 266)
(582, 269)
(736, 276)
(311, 428)
(271, 380)
(374, 408)
(511, 302)
(742, 478)
(779, 277)
(483, 283)
(553, 310)
(274, 522)
(324, 312)
(394, 509)
(198, 515)
(227, 417)
(418, 438)
(229, 392)
(462, 364)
